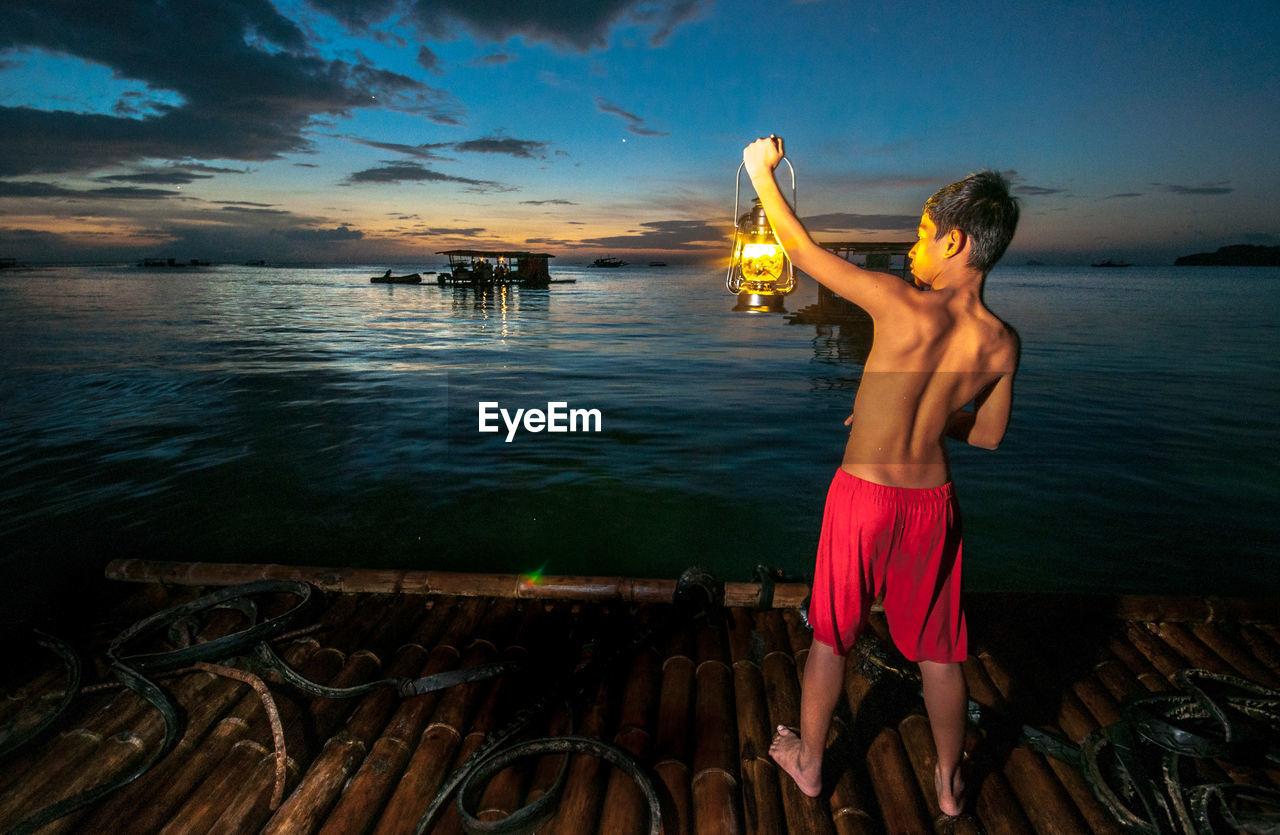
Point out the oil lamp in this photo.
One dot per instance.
(759, 271)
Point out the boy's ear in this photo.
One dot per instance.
(955, 243)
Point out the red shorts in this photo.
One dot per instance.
(899, 542)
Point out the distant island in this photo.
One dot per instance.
(1238, 255)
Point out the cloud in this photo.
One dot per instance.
(158, 176)
(667, 235)
(523, 148)
(1124, 194)
(578, 25)
(130, 193)
(495, 59)
(1195, 191)
(357, 15)
(446, 232)
(636, 125)
(547, 203)
(340, 233)
(249, 210)
(847, 221)
(429, 61)
(395, 172)
(1036, 191)
(424, 151)
(17, 188)
(247, 80)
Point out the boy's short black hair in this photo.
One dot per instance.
(981, 207)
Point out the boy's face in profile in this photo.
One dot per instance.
(929, 253)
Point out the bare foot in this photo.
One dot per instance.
(787, 752)
(951, 799)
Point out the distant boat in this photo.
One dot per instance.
(608, 261)
(388, 278)
(173, 262)
(657, 263)
(1110, 263)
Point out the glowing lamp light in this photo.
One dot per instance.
(759, 271)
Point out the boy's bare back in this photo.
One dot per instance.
(937, 348)
(925, 366)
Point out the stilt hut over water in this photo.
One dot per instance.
(484, 267)
(329, 700)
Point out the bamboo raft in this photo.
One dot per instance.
(698, 710)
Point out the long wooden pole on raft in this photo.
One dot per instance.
(1132, 607)
(462, 584)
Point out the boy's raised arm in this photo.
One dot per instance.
(877, 293)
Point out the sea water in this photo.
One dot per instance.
(304, 415)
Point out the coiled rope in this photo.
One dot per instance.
(135, 671)
(1141, 768)
(697, 591)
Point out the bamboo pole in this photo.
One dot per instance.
(364, 797)
(75, 751)
(579, 808)
(1261, 646)
(894, 784)
(714, 716)
(1161, 655)
(761, 798)
(997, 803)
(671, 745)
(1138, 665)
(548, 768)
(249, 807)
(1027, 781)
(1115, 676)
(1043, 797)
(306, 808)
(502, 795)
(1190, 647)
(149, 799)
(782, 689)
(761, 801)
(462, 584)
(434, 752)
(1234, 653)
(715, 726)
(1103, 708)
(623, 807)
(853, 808)
(222, 773)
(917, 741)
(715, 782)
(674, 707)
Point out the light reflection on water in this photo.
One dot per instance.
(304, 415)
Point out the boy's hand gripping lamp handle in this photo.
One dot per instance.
(743, 225)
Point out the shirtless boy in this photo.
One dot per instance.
(941, 365)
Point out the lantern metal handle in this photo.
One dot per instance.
(737, 189)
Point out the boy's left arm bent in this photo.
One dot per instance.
(985, 426)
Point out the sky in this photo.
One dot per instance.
(387, 130)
